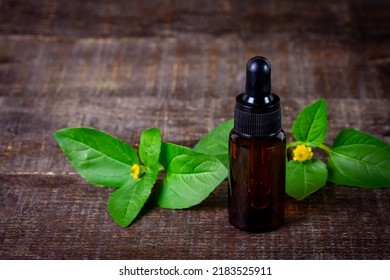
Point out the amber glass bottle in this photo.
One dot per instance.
(257, 154)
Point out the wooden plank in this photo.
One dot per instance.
(62, 217)
(249, 18)
(35, 151)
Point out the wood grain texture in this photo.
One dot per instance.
(124, 66)
(63, 217)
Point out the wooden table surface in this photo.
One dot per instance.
(124, 66)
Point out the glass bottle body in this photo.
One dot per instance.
(257, 172)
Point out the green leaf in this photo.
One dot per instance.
(125, 203)
(305, 178)
(191, 176)
(98, 157)
(311, 124)
(359, 159)
(150, 146)
(215, 143)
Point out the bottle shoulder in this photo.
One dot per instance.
(280, 135)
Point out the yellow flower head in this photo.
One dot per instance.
(135, 171)
(302, 153)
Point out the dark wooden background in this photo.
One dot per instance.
(124, 66)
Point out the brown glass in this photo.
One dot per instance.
(257, 181)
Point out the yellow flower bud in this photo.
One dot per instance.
(135, 171)
(302, 153)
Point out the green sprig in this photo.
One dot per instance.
(355, 159)
(190, 175)
(107, 161)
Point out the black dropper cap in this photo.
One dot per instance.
(257, 111)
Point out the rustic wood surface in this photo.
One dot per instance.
(123, 66)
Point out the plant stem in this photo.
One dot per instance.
(296, 143)
(325, 148)
(160, 167)
(293, 144)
